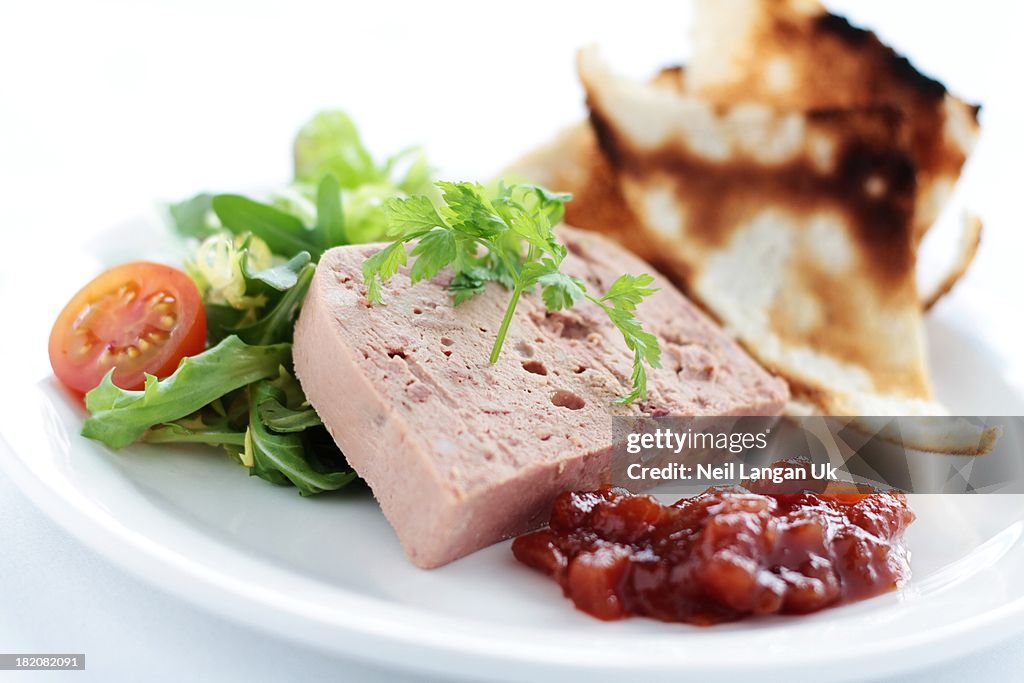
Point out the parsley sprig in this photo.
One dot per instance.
(508, 238)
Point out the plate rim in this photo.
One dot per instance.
(400, 644)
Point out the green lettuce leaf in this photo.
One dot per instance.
(278, 323)
(330, 143)
(280, 277)
(193, 217)
(176, 432)
(415, 176)
(281, 458)
(119, 417)
(330, 219)
(280, 418)
(285, 234)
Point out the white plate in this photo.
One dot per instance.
(328, 571)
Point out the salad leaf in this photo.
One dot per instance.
(120, 416)
(279, 458)
(176, 432)
(298, 199)
(284, 233)
(280, 277)
(330, 144)
(294, 397)
(222, 320)
(277, 324)
(280, 418)
(330, 218)
(417, 178)
(219, 269)
(365, 220)
(192, 217)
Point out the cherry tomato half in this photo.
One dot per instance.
(136, 318)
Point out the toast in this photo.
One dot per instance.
(784, 180)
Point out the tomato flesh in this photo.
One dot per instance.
(137, 318)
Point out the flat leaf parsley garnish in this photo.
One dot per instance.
(507, 238)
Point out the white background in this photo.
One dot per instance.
(107, 107)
